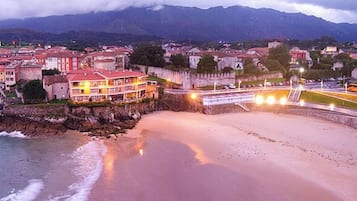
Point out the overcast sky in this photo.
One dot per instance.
(331, 10)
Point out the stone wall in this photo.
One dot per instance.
(190, 80)
(202, 80)
(176, 77)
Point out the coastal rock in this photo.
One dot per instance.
(30, 127)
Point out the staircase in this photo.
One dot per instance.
(243, 106)
(294, 95)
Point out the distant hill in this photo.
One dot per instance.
(31, 36)
(183, 23)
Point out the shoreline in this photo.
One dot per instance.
(97, 127)
(224, 157)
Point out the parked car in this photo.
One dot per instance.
(231, 86)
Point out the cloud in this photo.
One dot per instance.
(332, 10)
(349, 5)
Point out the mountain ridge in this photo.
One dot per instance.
(233, 23)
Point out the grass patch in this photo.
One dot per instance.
(276, 93)
(158, 80)
(317, 98)
(352, 97)
(272, 80)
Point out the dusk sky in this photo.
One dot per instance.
(331, 10)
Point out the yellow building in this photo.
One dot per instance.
(117, 86)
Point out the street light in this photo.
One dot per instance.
(301, 70)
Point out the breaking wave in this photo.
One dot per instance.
(89, 166)
(29, 193)
(16, 134)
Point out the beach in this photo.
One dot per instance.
(176, 156)
(237, 156)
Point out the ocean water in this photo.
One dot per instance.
(48, 169)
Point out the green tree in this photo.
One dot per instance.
(33, 92)
(227, 69)
(342, 57)
(179, 61)
(273, 65)
(281, 54)
(148, 55)
(250, 68)
(206, 64)
(51, 72)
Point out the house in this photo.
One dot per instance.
(331, 51)
(5, 53)
(63, 60)
(337, 65)
(116, 59)
(56, 87)
(2, 76)
(298, 55)
(101, 85)
(30, 71)
(12, 74)
(273, 44)
(223, 60)
(354, 74)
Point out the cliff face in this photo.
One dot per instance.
(47, 120)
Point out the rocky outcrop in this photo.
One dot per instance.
(31, 127)
(43, 120)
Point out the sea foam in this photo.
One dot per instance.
(29, 193)
(89, 160)
(16, 134)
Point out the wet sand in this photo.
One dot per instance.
(242, 156)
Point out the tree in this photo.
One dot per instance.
(273, 65)
(33, 92)
(148, 55)
(250, 67)
(281, 54)
(50, 72)
(206, 64)
(179, 61)
(227, 69)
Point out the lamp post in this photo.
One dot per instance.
(239, 82)
(301, 70)
(265, 83)
(168, 83)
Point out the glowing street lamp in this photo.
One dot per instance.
(283, 100)
(193, 96)
(271, 100)
(301, 103)
(332, 106)
(259, 99)
(301, 70)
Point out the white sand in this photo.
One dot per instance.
(301, 157)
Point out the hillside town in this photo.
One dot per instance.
(108, 75)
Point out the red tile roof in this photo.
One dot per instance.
(52, 79)
(81, 75)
